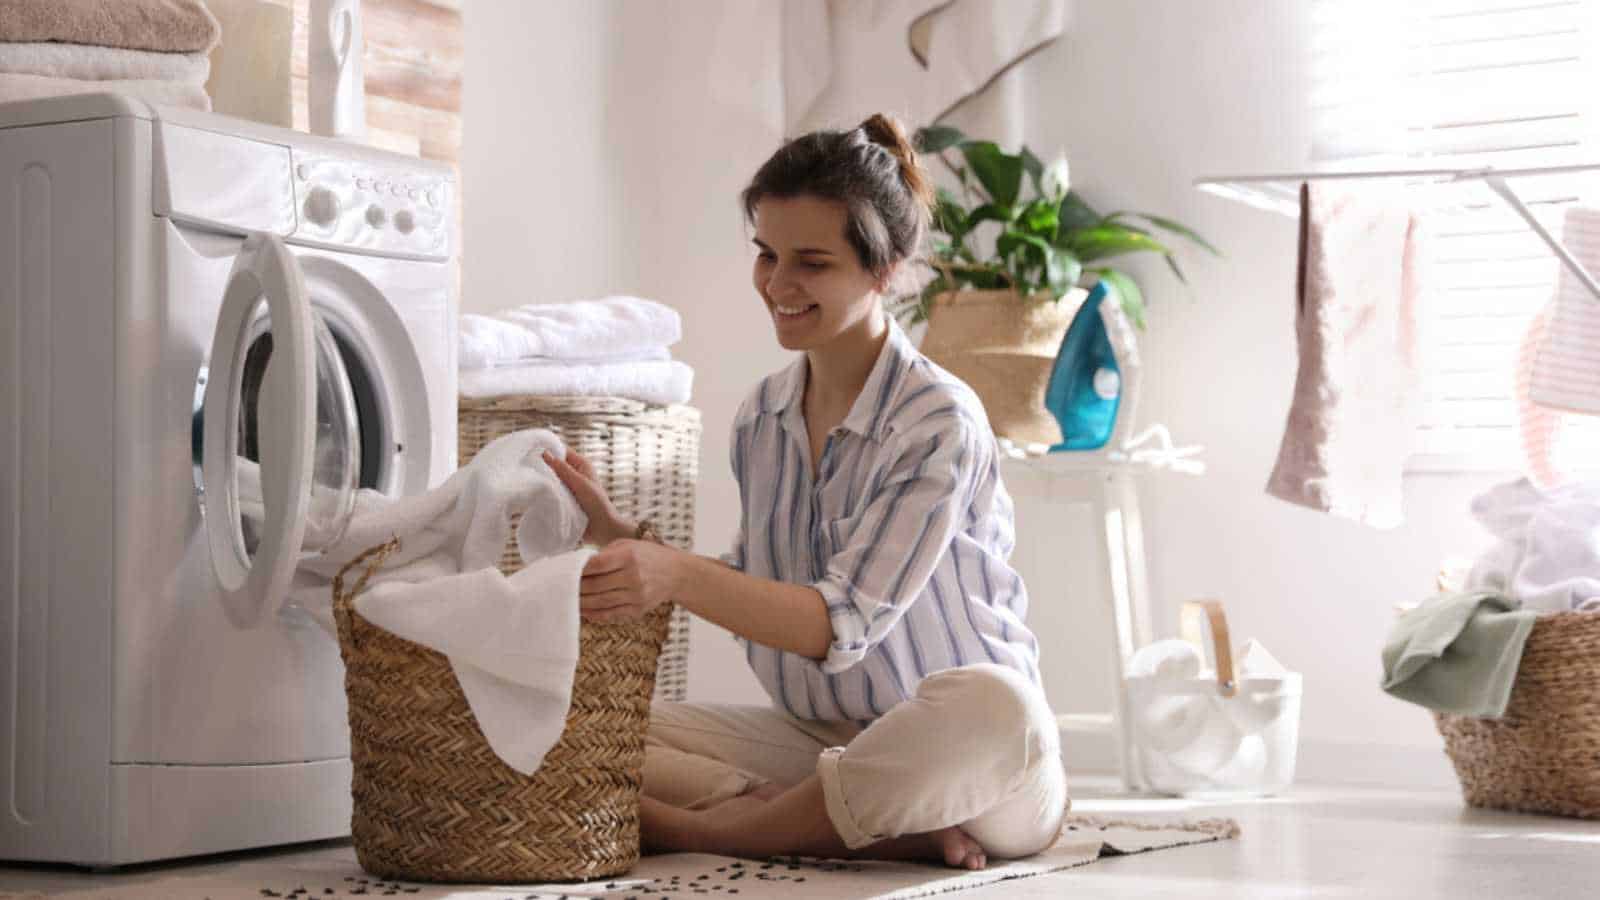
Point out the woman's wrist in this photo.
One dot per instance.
(618, 529)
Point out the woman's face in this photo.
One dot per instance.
(814, 286)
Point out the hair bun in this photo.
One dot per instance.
(887, 133)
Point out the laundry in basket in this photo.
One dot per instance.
(1211, 724)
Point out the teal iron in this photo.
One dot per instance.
(1094, 378)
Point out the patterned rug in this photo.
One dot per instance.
(333, 873)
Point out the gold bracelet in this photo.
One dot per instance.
(647, 532)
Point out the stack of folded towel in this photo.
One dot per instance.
(614, 347)
(155, 50)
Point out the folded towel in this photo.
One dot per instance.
(582, 329)
(662, 383)
(170, 93)
(512, 642)
(1547, 556)
(171, 26)
(90, 63)
(1356, 399)
(1457, 653)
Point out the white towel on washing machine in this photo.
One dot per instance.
(512, 642)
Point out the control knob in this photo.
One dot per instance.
(376, 216)
(322, 206)
(404, 221)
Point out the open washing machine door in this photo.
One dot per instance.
(282, 449)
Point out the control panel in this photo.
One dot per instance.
(358, 203)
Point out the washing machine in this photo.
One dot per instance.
(212, 334)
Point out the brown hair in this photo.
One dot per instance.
(872, 169)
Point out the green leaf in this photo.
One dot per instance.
(1178, 229)
(948, 215)
(1126, 291)
(1112, 240)
(998, 172)
(1040, 218)
(1035, 170)
(990, 212)
(937, 138)
(1075, 214)
(1172, 263)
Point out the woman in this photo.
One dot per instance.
(868, 583)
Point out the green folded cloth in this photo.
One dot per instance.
(1457, 653)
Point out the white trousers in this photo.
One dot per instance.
(976, 747)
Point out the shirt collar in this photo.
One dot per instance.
(868, 412)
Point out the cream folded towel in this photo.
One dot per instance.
(170, 26)
(90, 63)
(1356, 396)
(169, 93)
(581, 329)
(658, 382)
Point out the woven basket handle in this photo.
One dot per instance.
(1196, 615)
(343, 601)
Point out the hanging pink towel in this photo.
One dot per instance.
(1356, 396)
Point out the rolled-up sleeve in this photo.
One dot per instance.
(902, 535)
(734, 558)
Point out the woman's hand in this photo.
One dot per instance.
(605, 525)
(628, 579)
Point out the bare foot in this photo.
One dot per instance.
(959, 850)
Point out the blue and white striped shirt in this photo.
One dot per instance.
(905, 531)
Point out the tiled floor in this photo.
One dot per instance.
(1317, 842)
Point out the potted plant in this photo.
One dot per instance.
(997, 307)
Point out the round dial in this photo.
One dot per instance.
(322, 206)
(376, 216)
(404, 221)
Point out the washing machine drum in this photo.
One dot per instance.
(281, 451)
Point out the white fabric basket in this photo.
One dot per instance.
(1221, 735)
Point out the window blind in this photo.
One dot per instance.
(1467, 83)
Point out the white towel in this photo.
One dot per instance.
(173, 93)
(1548, 551)
(582, 329)
(1357, 393)
(512, 642)
(91, 63)
(659, 382)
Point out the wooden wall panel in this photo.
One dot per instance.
(413, 61)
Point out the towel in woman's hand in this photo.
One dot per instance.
(512, 642)
(1357, 395)
(169, 26)
(611, 328)
(86, 62)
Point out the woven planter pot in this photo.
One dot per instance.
(1004, 348)
(1544, 754)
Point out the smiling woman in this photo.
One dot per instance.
(869, 582)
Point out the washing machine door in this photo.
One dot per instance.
(282, 448)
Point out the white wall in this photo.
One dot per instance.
(606, 144)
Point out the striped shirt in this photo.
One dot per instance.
(905, 531)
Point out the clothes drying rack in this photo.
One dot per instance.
(1281, 194)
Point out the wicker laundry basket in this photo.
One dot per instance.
(1544, 754)
(646, 457)
(432, 801)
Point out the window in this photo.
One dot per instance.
(1462, 84)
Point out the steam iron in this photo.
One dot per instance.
(1095, 377)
